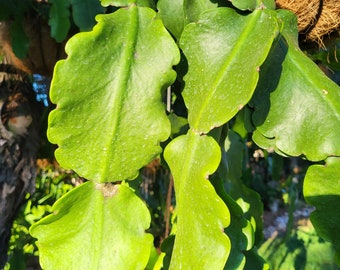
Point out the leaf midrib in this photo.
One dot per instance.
(225, 67)
(122, 77)
(314, 81)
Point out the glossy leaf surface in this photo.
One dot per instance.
(253, 4)
(20, 42)
(84, 11)
(59, 19)
(219, 81)
(201, 215)
(321, 188)
(118, 71)
(193, 8)
(239, 231)
(95, 226)
(172, 14)
(244, 204)
(232, 166)
(125, 3)
(296, 105)
(244, 4)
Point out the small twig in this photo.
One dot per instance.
(168, 99)
(167, 207)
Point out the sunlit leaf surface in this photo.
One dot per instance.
(124, 3)
(296, 106)
(110, 117)
(222, 73)
(321, 188)
(95, 226)
(243, 203)
(172, 14)
(253, 4)
(200, 242)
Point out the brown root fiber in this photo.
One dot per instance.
(317, 19)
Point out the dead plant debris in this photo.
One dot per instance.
(317, 19)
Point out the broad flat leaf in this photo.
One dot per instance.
(95, 226)
(255, 261)
(304, 249)
(270, 4)
(219, 81)
(296, 107)
(201, 215)
(166, 248)
(244, 4)
(84, 11)
(178, 13)
(172, 14)
(110, 85)
(239, 125)
(179, 125)
(19, 39)
(193, 8)
(253, 4)
(239, 231)
(231, 171)
(244, 204)
(125, 3)
(59, 19)
(321, 188)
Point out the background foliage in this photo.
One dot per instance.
(110, 122)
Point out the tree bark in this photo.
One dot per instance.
(18, 148)
(43, 51)
(19, 124)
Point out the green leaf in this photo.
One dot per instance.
(172, 14)
(94, 227)
(328, 58)
(239, 231)
(179, 125)
(125, 3)
(201, 215)
(239, 126)
(20, 42)
(166, 248)
(254, 261)
(84, 11)
(231, 171)
(244, 204)
(321, 188)
(304, 249)
(14, 8)
(7, 8)
(244, 4)
(178, 13)
(253, 4)
(215, 48)
(296, 105)
(59, 19)
(120, 106)
(194, 8)
(270, 4)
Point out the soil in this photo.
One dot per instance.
(275, 222)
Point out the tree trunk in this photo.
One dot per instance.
(18, 109)
(18, 148)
